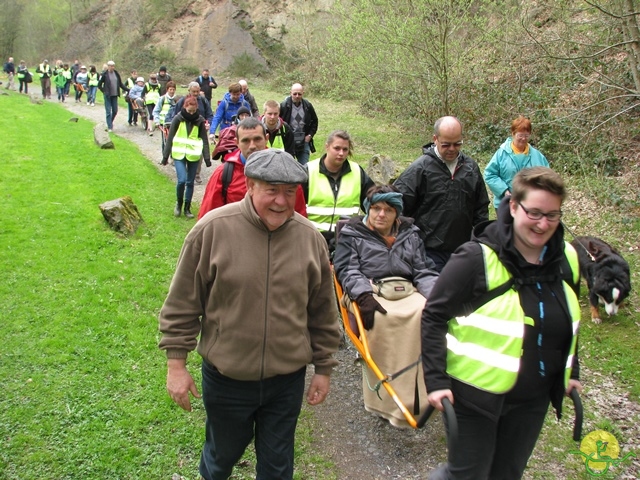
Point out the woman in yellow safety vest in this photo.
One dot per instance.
(499, 331)
(93, 77)
(186, 143)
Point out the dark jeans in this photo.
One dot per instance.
(186, 174)
(238, 410)
(489, 450)
(24, 85)
(438, 257)
(303, 152)
(111, 109)
(46, 87)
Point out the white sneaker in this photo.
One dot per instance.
(93, 104)
(88, 103)
(110, 131)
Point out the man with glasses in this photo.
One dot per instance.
(444, 192)
(301, 116)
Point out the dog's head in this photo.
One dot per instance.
(611, 283)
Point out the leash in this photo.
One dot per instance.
(564, 225)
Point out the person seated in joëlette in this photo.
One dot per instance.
(383, 246)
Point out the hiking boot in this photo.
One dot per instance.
(187, 210)
(178, 209)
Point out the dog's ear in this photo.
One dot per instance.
(594, 249)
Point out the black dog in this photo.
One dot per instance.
(607, 274)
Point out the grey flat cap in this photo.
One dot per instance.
(275, 166)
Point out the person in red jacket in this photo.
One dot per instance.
(251, 137)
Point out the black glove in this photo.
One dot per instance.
(164, 161)
(207, 162)
(368, 306)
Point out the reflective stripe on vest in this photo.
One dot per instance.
(484, 348)
(153, 95)
(189, 146)
(323, 209)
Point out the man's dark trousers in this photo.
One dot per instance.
(238, 410)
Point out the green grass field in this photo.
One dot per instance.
(81, 377)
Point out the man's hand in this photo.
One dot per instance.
(212, 139)
(307, 138)
(180, 383)
(435, 398)
(318, 389)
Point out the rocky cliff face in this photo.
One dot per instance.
(213, 32)
(209, 34)
(205, 33)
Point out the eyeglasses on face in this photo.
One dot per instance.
(450, 145)
(534, 214)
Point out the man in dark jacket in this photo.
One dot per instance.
(249, 98)
(207, 84)
(301, 116)
(110, 85)
(10, 70)
(444, 192)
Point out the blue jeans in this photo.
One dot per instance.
(91, 94)
(111, 109)
(60, 91)
(239, 410)
(186, 173)
(494, 450)
(302, 153)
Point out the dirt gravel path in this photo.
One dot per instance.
(364, 447)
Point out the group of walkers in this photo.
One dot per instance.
(485, 313)
(500, 355)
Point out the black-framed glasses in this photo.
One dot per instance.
(537, 214)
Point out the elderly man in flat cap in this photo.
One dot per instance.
(253, 283)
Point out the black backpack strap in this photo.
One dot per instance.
(227, 175)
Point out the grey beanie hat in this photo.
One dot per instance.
(274, 166)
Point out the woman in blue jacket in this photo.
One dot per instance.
(513, 155)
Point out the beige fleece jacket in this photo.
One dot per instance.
(262, 303)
